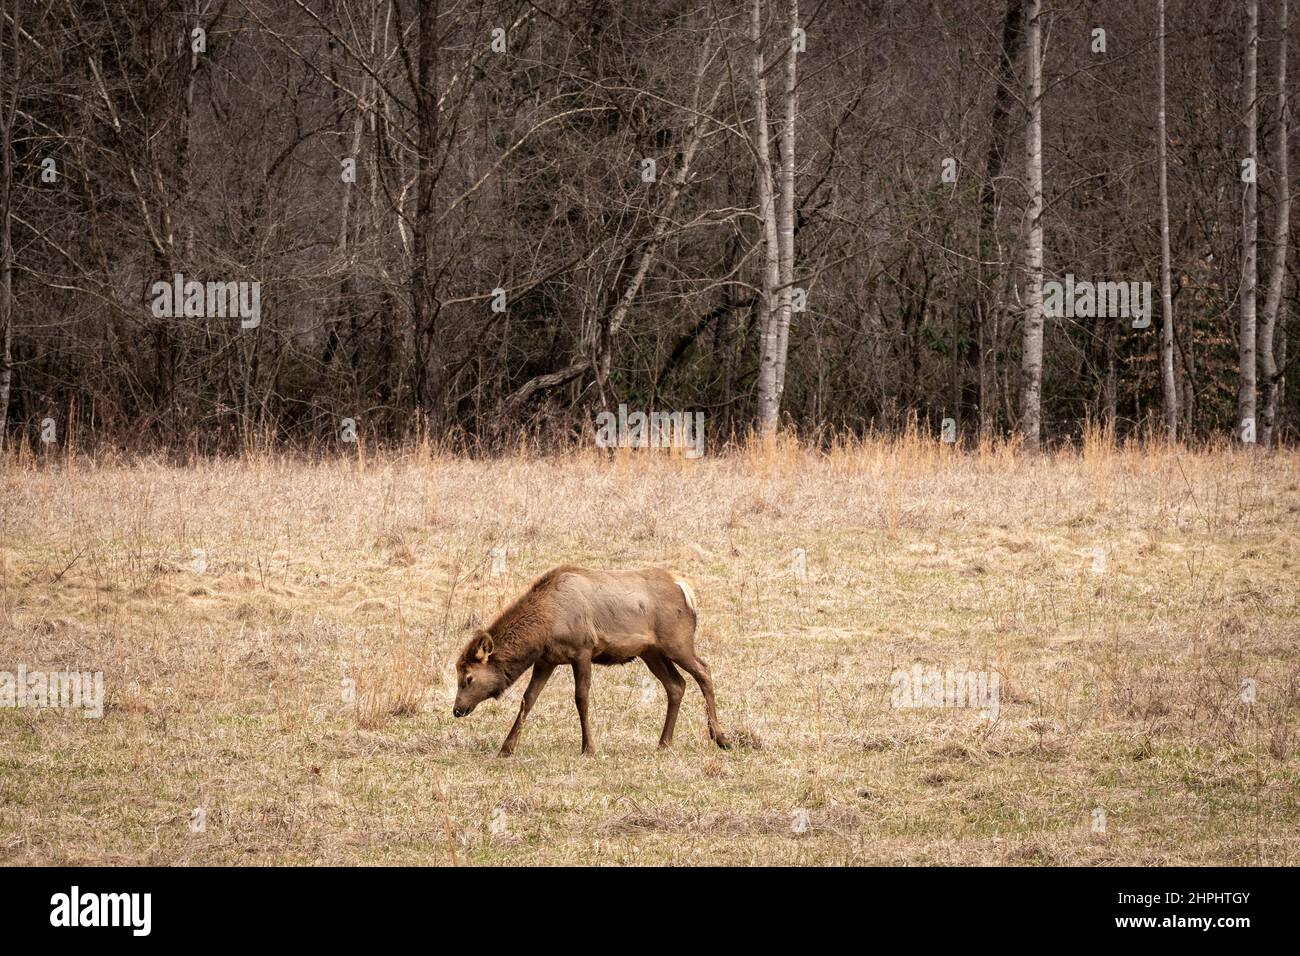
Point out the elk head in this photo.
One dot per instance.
(478, 676)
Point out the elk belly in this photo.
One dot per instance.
(620, 648)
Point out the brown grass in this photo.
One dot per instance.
(228, 689)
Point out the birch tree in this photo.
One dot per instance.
(1168, 388)
(1281, 236)
(769, 402)
(775, 301)
(1246, 390)
(1031, 368)
(786, 220)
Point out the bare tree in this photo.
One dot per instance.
(1281, 236)
(990, 306)
(1168, 386)
(786, 212)
(424, 302)
(777, 215)
(8, 111)
(769, 399)
(1031, 387)
(1246, 390)
(677, 183)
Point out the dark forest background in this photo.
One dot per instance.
(523, 170)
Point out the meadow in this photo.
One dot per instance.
(277, 636)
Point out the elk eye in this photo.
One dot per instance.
(469, 679)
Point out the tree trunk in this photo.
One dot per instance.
(1031, 361)
(786, 234)
(1110, 386)
(8, 112)
(1281, 378)
(1107, 330)
(981, 368)
(1281, 233)
(1169, 387)
(769, 399)
(343, 305)
(424, 307)
(1246, 391)
(187, 134)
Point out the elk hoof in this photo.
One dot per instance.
(722, 740)
(503, 752)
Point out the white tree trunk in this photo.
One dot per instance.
(786, 237)
(769, 399)
(1169, 387)
(1281, 235)
(1031, 362)
(1246, 390)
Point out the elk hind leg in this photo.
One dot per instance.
(674, 686)
(695, 666)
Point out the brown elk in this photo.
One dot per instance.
(578, 617)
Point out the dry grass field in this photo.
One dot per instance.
(1127, 599)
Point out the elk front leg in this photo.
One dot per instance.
(581, 685)
(541, 672)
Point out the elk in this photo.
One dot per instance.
(576, 617)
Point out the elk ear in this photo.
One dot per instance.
(485, 647)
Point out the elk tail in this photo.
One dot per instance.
(688, 592)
